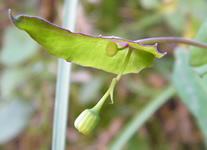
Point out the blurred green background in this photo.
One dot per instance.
(28, 76)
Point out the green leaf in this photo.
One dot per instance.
(84, 49)
(204, 78)
(191, 88)
(198, 55)
(201, 70)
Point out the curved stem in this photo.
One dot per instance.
(99, 105)
(124, 65)
(172, 40)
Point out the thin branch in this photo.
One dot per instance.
(172, 40)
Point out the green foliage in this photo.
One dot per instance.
(86, 50)
(140, 118)
(201, 70)
(131, 20)
(199, 55)
(191, 88)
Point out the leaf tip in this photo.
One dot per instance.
(14, 20)
(155, 51)
(11, 17)
(9, 11)
(10, 14)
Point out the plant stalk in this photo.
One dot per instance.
(99, 105)
(172, 40)
(63, 84)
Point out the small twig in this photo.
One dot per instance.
(172, 40)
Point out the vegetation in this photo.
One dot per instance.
(163, 107)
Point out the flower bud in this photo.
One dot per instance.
(111, 48)
(87, 121)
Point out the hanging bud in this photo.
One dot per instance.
(87, 121)
(111, 48)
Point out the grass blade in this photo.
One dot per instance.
(140, 118)
(63, 85)
(191, 88)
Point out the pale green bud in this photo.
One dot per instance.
(87, 121)
(111, 48)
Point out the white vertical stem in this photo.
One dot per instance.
(63, 84)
